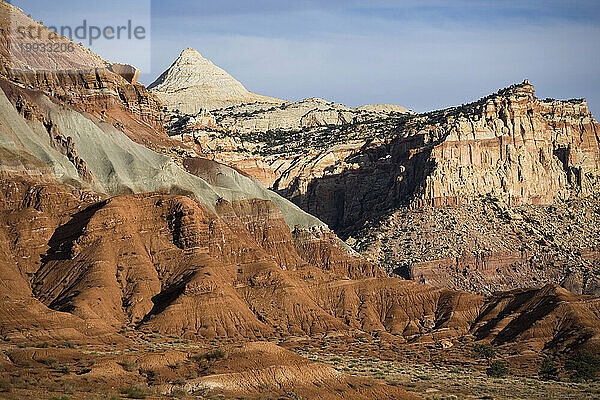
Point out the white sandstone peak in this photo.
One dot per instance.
(193, 83)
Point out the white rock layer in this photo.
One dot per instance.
(194, 83)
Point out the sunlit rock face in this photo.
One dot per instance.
(194, 83)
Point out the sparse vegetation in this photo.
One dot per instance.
(548, 370)
(484, 350)
(64, 369)
(497, 369)
(137, 391)
(213, 355)
(128, 366)
(51, 362)
(583, 366)
(178, 393)
(5, 386)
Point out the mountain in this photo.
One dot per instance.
(469, 197)
(133, 266)
(194, 83)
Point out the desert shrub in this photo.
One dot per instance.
(128, 366)
(51, 362)
(583, 366)
(497, 369)
(41, 345)
(179, 382)
(548, 370)
(216, 354)
(178, 393)
(393, 381)
(64, 369)
(137, 391)
(68, 387)
(379, 375)
(484, 350)
(18, 382)
(441, 397)
(63, 397)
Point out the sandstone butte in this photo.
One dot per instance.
(123, 231)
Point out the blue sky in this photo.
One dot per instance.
(422, 54)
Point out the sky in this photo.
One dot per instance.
(421, 54)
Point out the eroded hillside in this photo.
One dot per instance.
(384, 179)
(129, 262)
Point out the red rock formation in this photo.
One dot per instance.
(529, 319)
(165, 263)
(128, 72)
(81, 80)
(75, 263)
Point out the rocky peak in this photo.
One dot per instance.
(193, 83)
(524, 88)
(191, 69)
(191, 53)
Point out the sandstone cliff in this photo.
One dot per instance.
(364, 168)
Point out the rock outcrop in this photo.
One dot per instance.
(128, 72)
(80, 78)
(362, 170)
(510, 145)
(194, 83)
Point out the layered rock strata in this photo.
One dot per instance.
(193, 84)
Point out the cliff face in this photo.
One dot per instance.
(515, 147)
(491, 170)
(364, 170)
(511, 146)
